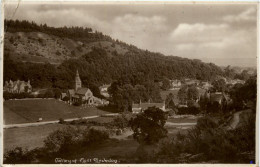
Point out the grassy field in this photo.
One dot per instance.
(32, 137)
(27, 111)
(28, 137)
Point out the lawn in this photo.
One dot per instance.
(28, 111)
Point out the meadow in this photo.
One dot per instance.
(30, 110)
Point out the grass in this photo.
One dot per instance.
(27, 111)
(28, 137)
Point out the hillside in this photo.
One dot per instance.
(31, 49)
(39, 47)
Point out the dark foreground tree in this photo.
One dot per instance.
(148, 126)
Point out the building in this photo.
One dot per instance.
(176, 84)
(137, 108)
(104, 90)
(205, 85)
(188, 81)
(81, 94)
(18, 86)
(219, 97)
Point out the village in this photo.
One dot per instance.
(83, 96)
(130, 83)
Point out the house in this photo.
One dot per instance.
(104, 90)
(176, 84)
(218, 97)
(188, 81)
(235, 81)
(18, 86)
(205, 85)
(137, 108)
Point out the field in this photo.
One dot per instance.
(28, 137)
(28, 111)
(32, 137)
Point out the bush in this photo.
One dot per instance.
(61, 121)
(121, 122)
(64, 140)
(18, 155)
(210, 141)
(48, 94)
(95, 136)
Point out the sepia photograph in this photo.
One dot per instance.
(129, 83)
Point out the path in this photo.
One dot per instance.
(52, 122)
(236, 119)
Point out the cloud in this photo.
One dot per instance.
(249, 15)
(213, 42)
(198, 32)
(142, 31)
(213, 33)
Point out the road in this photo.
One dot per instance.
(89, 117)
(52, 122)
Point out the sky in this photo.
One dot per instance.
(224, 34)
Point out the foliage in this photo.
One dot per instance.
(148, 126)
(193, 93)
(219, 85)
(169, 103)
(121, 122)
(65, 140)
(240, 94)
(208, 140)
(18, 155)
(166, 84)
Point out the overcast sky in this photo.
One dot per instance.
(222, 34)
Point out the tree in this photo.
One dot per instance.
(193, 93)
(166, 84)
(57, 93)
(229, 72)
(148, 126)
(120, 122)
(182, 94)
(169, 102)
(219, 85)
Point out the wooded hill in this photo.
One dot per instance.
(49, 57)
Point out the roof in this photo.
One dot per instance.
(82, 91)
(71, 91)
(146, 105)
(216, 97)
(104, 86)
(75, 96)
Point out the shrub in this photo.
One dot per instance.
(18, 155)
(61, 121)
(48, 94)
(64, 140)
(95, 136)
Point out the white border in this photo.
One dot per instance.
(214, 2)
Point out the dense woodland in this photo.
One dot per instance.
(136, 69)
